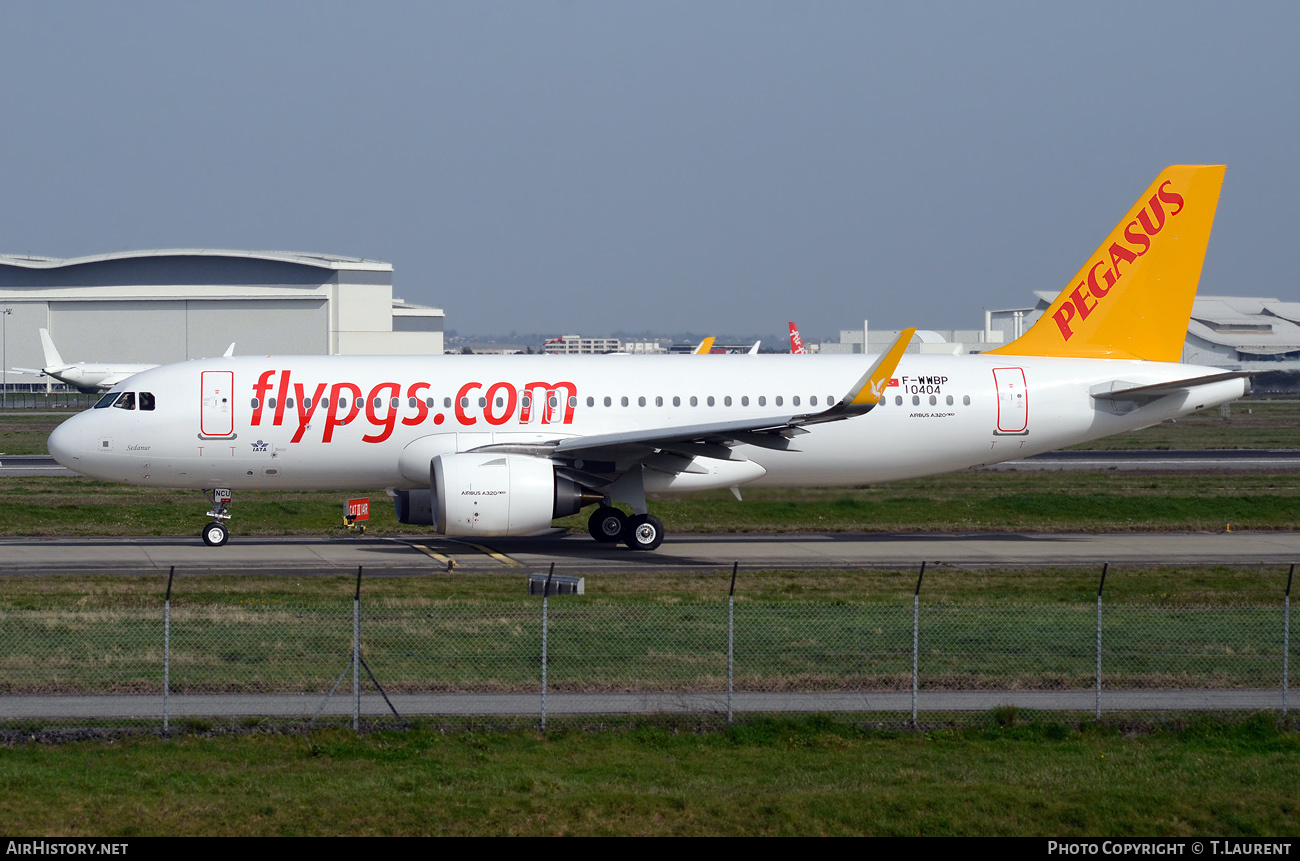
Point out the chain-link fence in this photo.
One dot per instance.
(544, 657)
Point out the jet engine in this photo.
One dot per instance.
(474, 493)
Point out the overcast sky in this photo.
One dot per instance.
(586, 167)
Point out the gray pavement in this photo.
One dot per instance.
(523, 704)
(426, 555)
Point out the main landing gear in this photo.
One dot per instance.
(215, 533)
(639, 532)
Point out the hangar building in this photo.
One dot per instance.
(170, 306)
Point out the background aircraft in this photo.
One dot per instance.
(88, 377)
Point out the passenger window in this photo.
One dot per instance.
(933, 400)
(608, 402)
(464, 403)
(965, 399)
(446, 403)
(306, 403)
(726, 401)
(795, 400)
(695, 402)
(554, 402)
(710, 400)
(428, 402)
(270, 402)
(898, 400)
(343, 403)
(591, 402)
(640, 402)
(659, 402)
(146, 400)
(950, 400)
(482, 402)
(500, 403)
(288, 403)
(916, 400)
(410, 403)
(324, 403)
(813, 400)
(392, 403)
(744, 400)
(624, 400)
(253, 404)
(762, 400)
(677, 401)
(126, 402)
(573, 401)
(779, 402)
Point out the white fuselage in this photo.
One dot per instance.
(277, 422)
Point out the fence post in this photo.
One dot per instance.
(916, 637)
(356, 656)
(731, 638)
(1286, 637)
(1100, 587)
(545, 590)
(167, 650)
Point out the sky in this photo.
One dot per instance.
(589, 167)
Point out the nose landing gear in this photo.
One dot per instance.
(215, 533)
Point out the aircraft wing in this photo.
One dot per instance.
(715, 438)
(1119, 390)
(29, 372)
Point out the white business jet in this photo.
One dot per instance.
(494, 446)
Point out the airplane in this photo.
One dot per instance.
(87, 377)
(500, 446)
(796, 343)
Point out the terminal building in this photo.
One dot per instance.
(159, 307)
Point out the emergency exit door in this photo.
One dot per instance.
(217, 415)
(1013, 400)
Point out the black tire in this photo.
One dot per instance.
(607, 524)
(215, 534)
(644, 532)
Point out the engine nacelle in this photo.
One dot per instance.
(491, 494)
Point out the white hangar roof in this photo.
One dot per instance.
(321, 261)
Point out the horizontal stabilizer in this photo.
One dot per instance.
(1118, 390)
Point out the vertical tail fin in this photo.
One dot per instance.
(796, 343)
(52, 358)
(1133, 298)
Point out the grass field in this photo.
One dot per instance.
(802, 776)
(795, 631)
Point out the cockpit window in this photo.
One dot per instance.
(126, 402)
(106, 400)
(146, 400)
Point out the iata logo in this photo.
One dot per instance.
(339, 404)
(259, 446)
(1138, 233)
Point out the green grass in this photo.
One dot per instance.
(786, 776)
(1164, 628)
(966, 501)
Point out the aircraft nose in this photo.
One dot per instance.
(65, 443)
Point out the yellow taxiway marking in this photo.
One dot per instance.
(488, 551)
(445, 560)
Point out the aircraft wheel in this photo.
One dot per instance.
(644, 532)
(607, 524)
(215, 534)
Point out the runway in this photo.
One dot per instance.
(427, 555)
